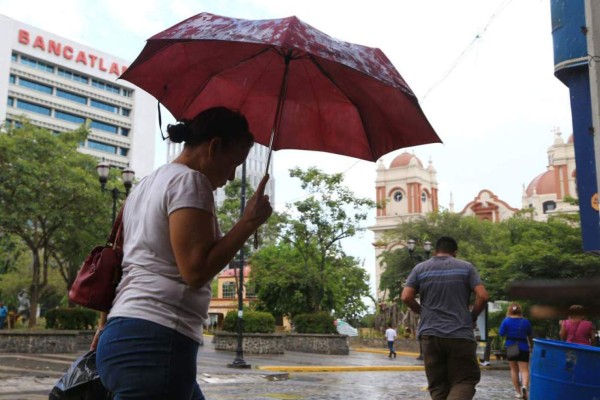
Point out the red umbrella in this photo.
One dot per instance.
(298, 87)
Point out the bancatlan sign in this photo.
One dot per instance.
(69, 53)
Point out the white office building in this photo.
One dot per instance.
(60, 84)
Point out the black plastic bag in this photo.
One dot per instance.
(81, 381)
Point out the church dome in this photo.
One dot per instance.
(405, 159)
(544, 183)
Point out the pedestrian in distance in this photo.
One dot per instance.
(3, 314)
(444, 284)
(517, 330)
(23, 306)
(390, 335)
(173, 248)
(576, 329)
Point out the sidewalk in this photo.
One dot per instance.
(32, 376)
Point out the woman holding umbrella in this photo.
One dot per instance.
(172, 250)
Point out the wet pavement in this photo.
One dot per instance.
(32, 376)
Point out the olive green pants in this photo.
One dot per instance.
(451, 367)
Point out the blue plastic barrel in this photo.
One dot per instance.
(564, 371)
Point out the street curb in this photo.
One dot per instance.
(383, 351)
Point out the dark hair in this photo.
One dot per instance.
(228, 125)
(446, 244)
(576, 310)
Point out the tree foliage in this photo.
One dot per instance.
(518, 248)
(307, 270)
(228, 213)
(49, 198)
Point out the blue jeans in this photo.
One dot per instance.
(142, 360)
(391, 347)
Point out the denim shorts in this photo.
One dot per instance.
(142, 360)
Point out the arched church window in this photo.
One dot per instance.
(398, 196)
(548, 206)
(423, 197)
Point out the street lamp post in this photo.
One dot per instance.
(127, 177)
(410, 245)
(239, 361)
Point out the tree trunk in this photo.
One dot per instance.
(35, 289)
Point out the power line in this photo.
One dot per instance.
(468, 49)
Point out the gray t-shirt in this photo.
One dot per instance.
(444, 285)
(152, 287)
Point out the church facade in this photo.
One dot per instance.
(406, 190)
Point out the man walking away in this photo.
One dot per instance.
(390, 334)
(444, 285)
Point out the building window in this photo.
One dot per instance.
(11, 102)
(9, 123)
(36, 108)
(250, 290)
(12, 79)
(69, 117)
(35, 86)
(398, 196)
(73, 76)
(124, 152)
(127, 93)
(105, 86)
(13, 57)
(228, 290)
(125, 112)
(71, 96)
(104, 106)
(107, 148)
(104, 127)
(124, 132)
(548, 206)
(33, 63)
(423, 197)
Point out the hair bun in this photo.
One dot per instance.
(178, 133)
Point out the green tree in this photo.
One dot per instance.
(229, 213)
(331, 213)
(47, 190)
(518, 248)
(11, 248)
(307, 271)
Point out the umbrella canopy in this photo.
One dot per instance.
(314, 91)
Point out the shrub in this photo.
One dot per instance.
(254, 322)
(320, 322)
(71, 318)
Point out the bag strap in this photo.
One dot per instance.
(573, 335)
(115, 240)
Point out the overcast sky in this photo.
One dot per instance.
(494, 109)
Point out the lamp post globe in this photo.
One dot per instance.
(410, 245)
(127, 177)
(103, 169)
(427, 248)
